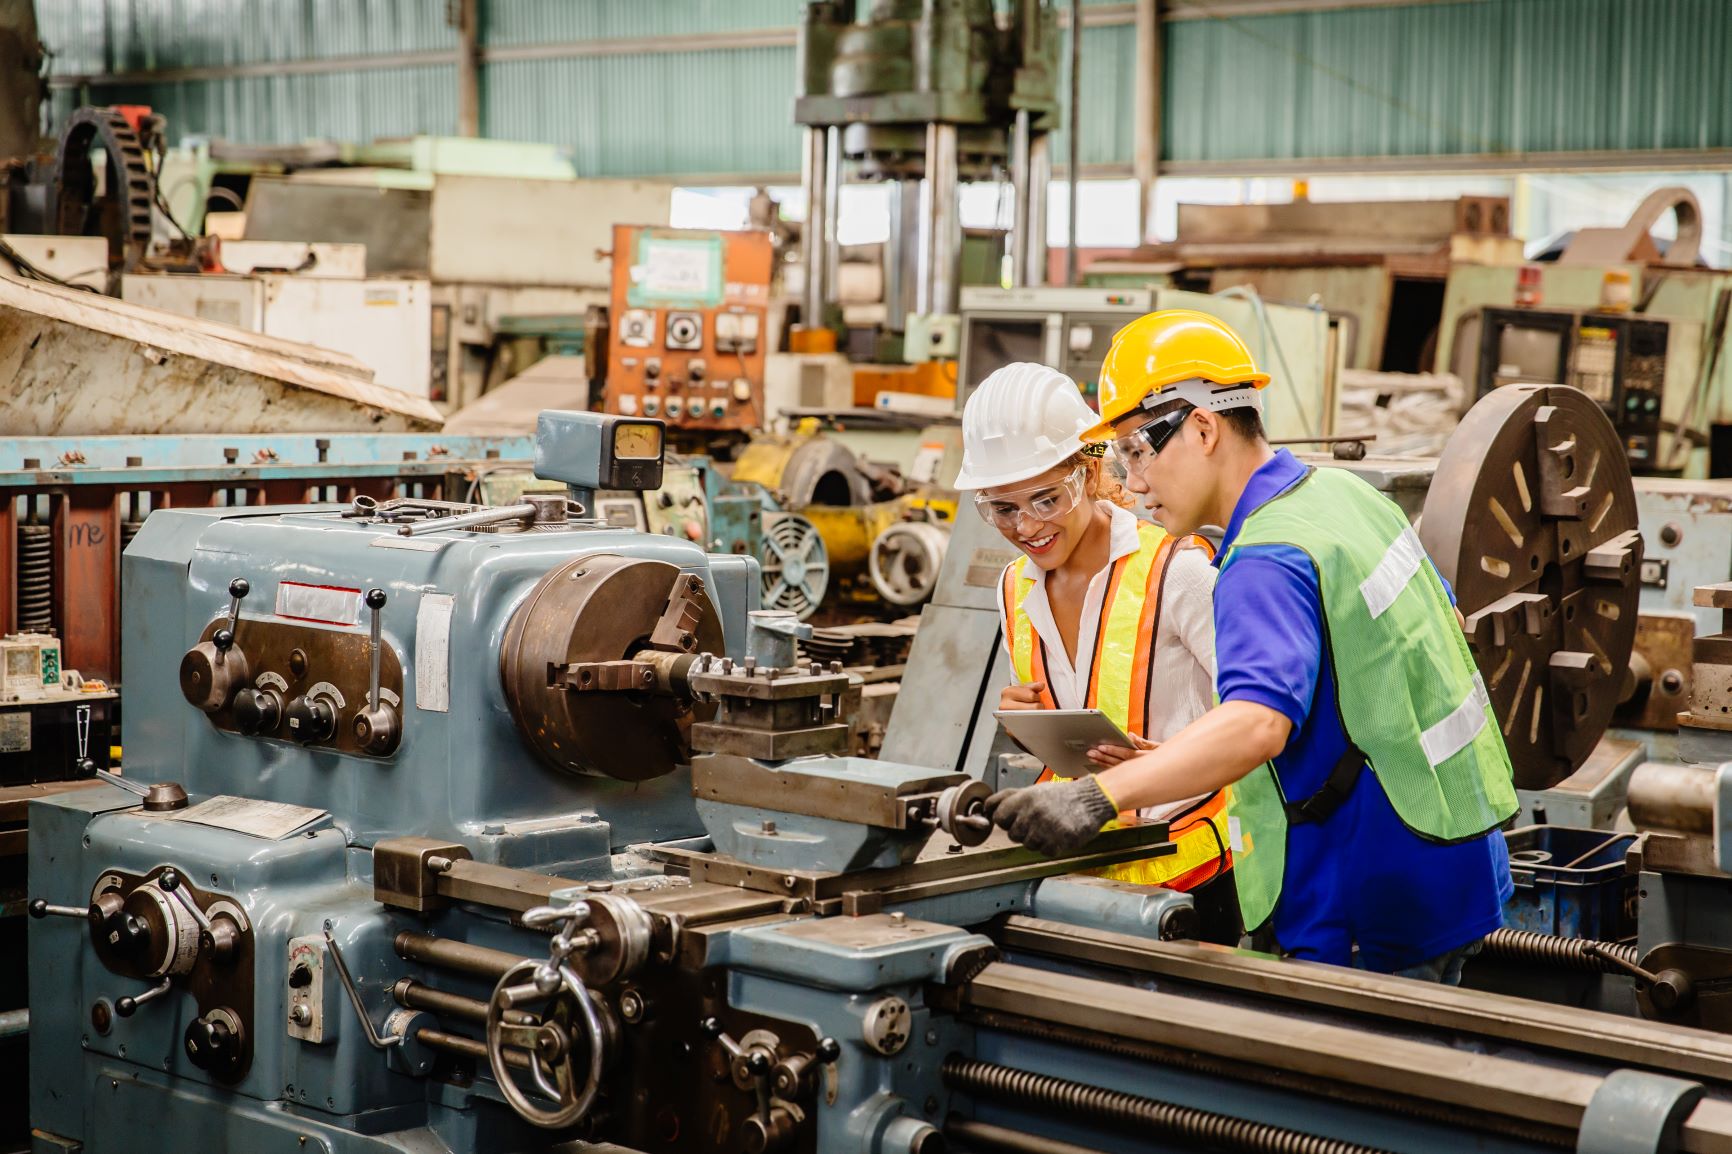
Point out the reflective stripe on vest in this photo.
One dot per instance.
(1406, 685)
(1119, 687)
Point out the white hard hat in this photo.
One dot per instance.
(1023, 420)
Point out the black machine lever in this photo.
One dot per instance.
(376, 724)
(224, 639)
(126, 1007)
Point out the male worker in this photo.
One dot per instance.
(1369, 774)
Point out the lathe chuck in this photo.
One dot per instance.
(599, 609)
(1531, 516)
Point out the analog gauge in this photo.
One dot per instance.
(633, 441)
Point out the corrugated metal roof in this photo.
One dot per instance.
(1456, 78)
(1478, 78)
(360, 106)
(508, 22)
(676, 113)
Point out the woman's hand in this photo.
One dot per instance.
(1013, 697)
(1107, 756)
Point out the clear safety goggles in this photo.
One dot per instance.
(1047, 501)
(1136, 449)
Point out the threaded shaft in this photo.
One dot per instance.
(1563, 953)
(1144, 1116)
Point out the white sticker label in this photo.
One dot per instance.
(271, 820)
(326, 604)
(15, 731)
(924, 468)
(1235, 841)
(418, 544)
(433, 652)
(675, 269)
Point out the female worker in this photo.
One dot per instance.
(1102, 611)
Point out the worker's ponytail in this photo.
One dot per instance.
(1107, 487)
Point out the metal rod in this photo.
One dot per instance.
(1039, 184)
(1149, 1119)
(1019, 181)
(941, 255)
(14, 1023)
(459, 956)
(414, 995)
(468, 69)
(832, 214)
(991, 1139)
(1073, 137)
(468, 1047)
(1146, 114)
(523, 512)
(815, 175)
(373, 1038)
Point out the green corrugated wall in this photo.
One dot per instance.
(1531, 82)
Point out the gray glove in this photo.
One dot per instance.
(1055, 818)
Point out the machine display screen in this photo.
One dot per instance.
(637, 442)
(1529, 356)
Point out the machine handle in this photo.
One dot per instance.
(373, 1038)
(224, 639)
(523, 512)
(43, 908)
(127, 1007)
(375, 602)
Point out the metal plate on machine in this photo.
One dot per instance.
(951, 671)
(335, 665)
(15, 731)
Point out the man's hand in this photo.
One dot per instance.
(1021, 696)
(1107, 756)
(1053, 818)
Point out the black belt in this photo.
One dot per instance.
(1321, 806)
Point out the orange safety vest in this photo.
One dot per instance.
(1119, 688)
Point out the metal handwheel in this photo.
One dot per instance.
(545, 1045)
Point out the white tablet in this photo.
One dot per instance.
(1061, 738)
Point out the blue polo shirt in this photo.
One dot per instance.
(1361, 878)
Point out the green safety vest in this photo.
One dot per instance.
(1409, 694)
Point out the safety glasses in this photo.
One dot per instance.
(1136, 449)
(1047, 501)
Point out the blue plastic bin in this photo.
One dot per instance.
(1560, 891)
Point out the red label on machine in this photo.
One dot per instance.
(325, 604)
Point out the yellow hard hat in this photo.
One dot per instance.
(1163, 349)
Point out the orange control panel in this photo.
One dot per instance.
(689, 326)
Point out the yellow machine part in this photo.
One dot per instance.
(849, 530)
(765, 458)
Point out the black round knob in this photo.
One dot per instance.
(257, 711)
(86, 767)
(758, 1062)
(39, 908)
(829, 1049)
(239, 587)
(310, 719)
(223, 639)
(711, 1026)
(375, 599)
(168, 881)
(210, 1043)
(125, 1007)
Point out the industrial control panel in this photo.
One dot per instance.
(1617, 360)
(688, 325)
